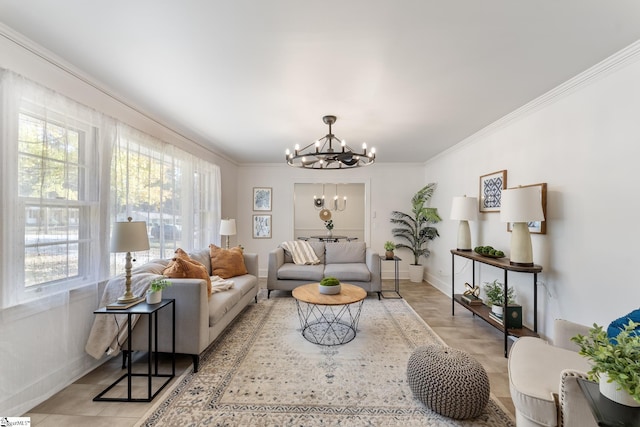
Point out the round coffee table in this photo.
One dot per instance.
(329, 319)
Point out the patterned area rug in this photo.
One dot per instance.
(262, 372)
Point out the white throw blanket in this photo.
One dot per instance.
(218, 284)
(301, 252)
(109, 331)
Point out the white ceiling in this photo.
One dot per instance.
(253, 77)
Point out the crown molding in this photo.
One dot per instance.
(597, 72)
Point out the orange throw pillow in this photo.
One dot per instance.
(227, 263)
(183, 267)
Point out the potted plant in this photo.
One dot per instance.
(415, 230)
(329, 226)
(329, 286)
(615, 361)
(154, 293)
(495, 296)
(389, 246)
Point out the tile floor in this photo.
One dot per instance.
(74, 405)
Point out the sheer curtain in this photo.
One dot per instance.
(68, 173)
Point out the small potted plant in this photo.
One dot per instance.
(615, 362)
(329, 286)
(389, 246)
(154, 293)
(495, 296)
(329, 226)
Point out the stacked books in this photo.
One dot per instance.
(117, 305)
(471, 299)
(496, 317)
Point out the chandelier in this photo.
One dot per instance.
(329, 152)
(319, 204)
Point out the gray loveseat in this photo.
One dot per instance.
(349, 262)
(199, 319)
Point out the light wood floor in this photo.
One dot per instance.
(74, 406)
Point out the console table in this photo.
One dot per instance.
(483, 311)
(150, 310)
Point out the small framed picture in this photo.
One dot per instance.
(537, 227)
(262, 226)
(262, 198)
(491, 186)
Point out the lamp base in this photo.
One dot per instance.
(521, 250)
(127, 298)
(464, 236)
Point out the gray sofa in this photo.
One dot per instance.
(349, 262)
(199, 319)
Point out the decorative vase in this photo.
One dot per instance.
(154, 297)
(329, 290)
(329, 233)
(498, 310)
(415, 273)
(611, 392)
(389, 254)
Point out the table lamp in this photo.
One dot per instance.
(464, 209)
(130, 236)
(228, 228)
(520, 206)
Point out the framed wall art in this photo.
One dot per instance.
(262, 198)
(491, 186)
(537, 227)
(261, 226)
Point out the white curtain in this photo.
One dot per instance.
(68, 173)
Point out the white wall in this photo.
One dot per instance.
(388, 187)
(583, 140)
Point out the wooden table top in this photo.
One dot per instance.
(311, 295)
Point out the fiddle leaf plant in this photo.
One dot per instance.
(618, 357)
(416, 229)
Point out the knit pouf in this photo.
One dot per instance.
(448, 381)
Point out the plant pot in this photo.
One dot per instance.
(389, 254)
(329, 290)
(416, 273)
(611, 392)
(154, 297)
(498, 310)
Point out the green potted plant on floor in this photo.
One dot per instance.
(389, 246)
(495, 296)
(154, 293)
(415, 230)
(615, 361)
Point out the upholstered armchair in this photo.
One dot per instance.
(543, 380)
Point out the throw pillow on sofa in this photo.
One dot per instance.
(227, 263)
(183, 267)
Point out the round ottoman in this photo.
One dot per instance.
(448, 381)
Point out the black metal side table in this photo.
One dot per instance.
(150, 310)
(607, 412)
(396, 277)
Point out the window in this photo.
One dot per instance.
(55, 164)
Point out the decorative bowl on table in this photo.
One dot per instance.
(488, 251)
(329, 286)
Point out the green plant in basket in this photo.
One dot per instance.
(329, 281)
(618, 358)
(159, 284)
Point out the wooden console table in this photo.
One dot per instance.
(482, 311)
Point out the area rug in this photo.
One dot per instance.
(262, 372)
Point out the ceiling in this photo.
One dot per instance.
(250, 78)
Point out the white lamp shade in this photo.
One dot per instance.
(129, 237)
(522, 204)
(464, 208)
(228, 227)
